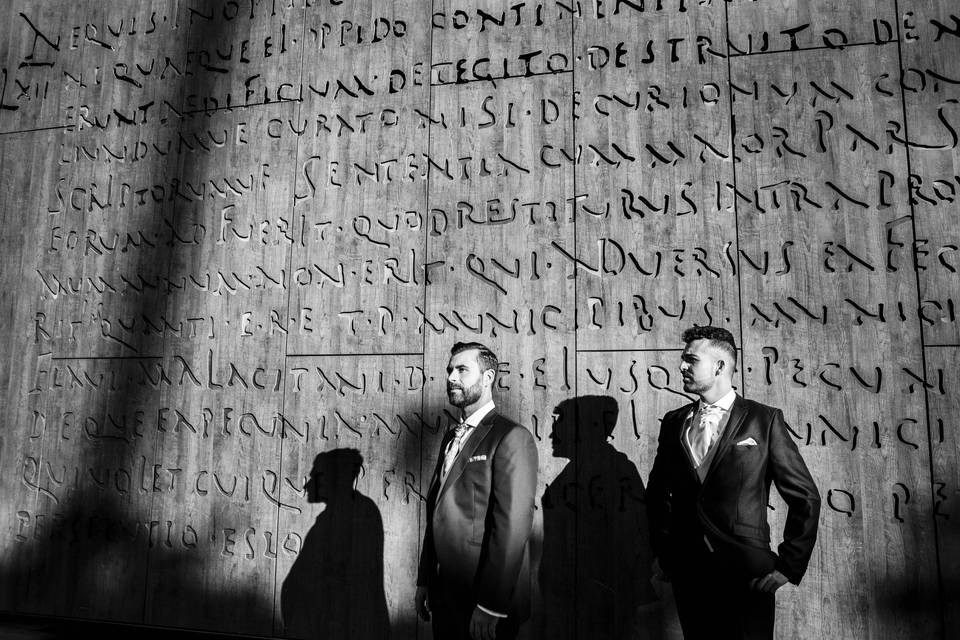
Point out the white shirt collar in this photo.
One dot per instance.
(725, 402)
(477, 416)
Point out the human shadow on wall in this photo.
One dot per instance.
(595, 570)
(335, 587)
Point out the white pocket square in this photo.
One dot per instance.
(477, 458)
(749, 442)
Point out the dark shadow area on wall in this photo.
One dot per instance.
(86, 547)
(93, 545)
(28, 627)
(595, 570)
(335, 587)
(939, 599)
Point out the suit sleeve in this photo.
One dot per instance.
(509, 520)
(658, 499)
(795, 484)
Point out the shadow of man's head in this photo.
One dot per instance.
(585, 422)
(334, 475)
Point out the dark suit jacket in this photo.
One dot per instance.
(479, 521)
(730, 505)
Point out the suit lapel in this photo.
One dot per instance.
(738, 413)
(684, 416)
(444, 443)
(479, 433)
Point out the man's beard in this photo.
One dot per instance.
(693, 386)
(467, 395)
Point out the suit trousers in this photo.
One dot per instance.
(715, 604)
(450, 613)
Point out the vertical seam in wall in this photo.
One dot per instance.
(286, 337)
(421, 524)
(576, 330)
(923, 349)
(736, 210)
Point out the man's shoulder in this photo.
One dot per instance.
(757, 409)
(501, 421)
(503, 426)
(679, 413)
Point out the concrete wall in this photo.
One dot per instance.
(241, 234)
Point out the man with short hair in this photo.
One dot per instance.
(474, 575)
(707, 499)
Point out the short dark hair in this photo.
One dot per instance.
(341, 464)
(486, 357)
(717, 336)
(596, 416)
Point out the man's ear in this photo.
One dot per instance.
(489, 375)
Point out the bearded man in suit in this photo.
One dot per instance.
(707, 499)
(474, 576)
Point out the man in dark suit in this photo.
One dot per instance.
(707, 499)
(474, 576)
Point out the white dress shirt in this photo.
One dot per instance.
(693, 419)
(471, 422)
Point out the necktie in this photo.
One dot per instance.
(705, 432)
(453, 449)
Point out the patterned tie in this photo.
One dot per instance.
(453, 449)
(705, 433)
